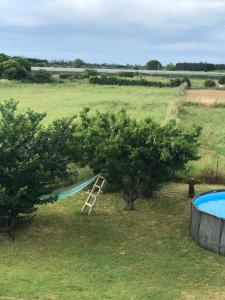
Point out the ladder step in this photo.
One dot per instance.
(98, 186)
(88, 204)
(92, 195)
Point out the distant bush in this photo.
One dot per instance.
(89, 72)
(153, 65)
(104, 80)
(222, 80)
(78, 63)
(175, 82)
(187, 81)
(41, 76)
(210, 83)
(127, 74)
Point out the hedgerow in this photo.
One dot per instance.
(104, 80)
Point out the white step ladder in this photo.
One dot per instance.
(93, 194)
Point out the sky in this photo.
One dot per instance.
(114, 31)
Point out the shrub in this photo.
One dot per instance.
(222, 80)
(187, 81)
(127, 74)
(89, 72)
(210, 83)
(41, 76)
(175, 82)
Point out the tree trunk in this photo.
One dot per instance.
(191, 190)
(129, 205)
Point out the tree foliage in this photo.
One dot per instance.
(78, 63)
(41, 76)
(33, 159)
(209, 83)
(135, 156)
(15, 69)
(222, 80)
(153, 65)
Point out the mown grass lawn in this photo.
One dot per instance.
(111, 254)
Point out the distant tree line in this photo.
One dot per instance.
(153, 64)
(199, 67)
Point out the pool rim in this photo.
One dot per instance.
(206, 193)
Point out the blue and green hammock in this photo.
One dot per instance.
(69, 191)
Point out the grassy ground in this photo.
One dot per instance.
(66, 99)
(145, 254)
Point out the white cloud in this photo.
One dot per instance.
(164, 14)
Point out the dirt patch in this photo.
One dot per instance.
(210, 98)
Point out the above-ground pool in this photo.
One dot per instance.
(208, 221)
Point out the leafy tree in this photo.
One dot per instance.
(33, 159)
(153, 65)
(41, 76)
(23, 62)
(170, 67)
(209, 83)
(3, 57)
(135, 156)
(13, 70)
(222, 80)
(78, 63)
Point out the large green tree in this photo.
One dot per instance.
(153, 65)
(33, 159)
(13, 69)
(78, 63)
(135, 156)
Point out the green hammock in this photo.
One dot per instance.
(66, 192)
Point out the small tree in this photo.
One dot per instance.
(153, 65)
(41, 76)
(33, 159)
(78, 63)
(135, 156)
(170, 67)
(222, 80)
(210, 83)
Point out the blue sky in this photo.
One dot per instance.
(125, 31)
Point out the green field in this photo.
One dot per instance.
(66, 99)
(144, 254)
